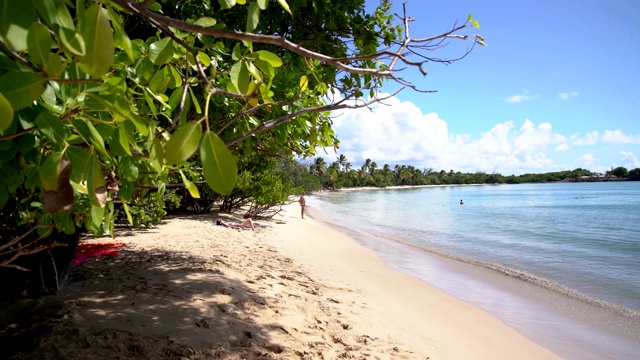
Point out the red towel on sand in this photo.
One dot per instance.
(86, 251)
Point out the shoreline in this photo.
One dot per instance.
(293, 289)
(533, 306)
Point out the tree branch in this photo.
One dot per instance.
(329, 107)
(244, 36)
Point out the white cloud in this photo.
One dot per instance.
(568, 95)
(630, 160)
(524, 96)
(586, 161)
(590, 138)
(615, 137)
(399, 133)
(618, 137)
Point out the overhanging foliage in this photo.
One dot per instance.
(103, 105)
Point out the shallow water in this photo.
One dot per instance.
(558, 262)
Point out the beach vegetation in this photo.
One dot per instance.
(370, 175)
(116, 111)
(620, 172)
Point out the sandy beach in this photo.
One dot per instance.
(293, 289)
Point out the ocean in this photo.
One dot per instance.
(559, 262)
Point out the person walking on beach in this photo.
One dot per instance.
(302, 202)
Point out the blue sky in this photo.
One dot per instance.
(556, 88)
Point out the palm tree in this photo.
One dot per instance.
(319, 166)
(366, 165)
(342, 160)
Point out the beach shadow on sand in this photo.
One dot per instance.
(142, 304)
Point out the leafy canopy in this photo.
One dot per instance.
(103, 104)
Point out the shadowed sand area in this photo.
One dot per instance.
(293, 289)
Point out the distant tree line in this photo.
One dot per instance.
(341, 173)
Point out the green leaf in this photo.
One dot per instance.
(219, 166)
(161, 190)
(21, 88)
(240, 76)
(159, 80)
(203, 58)
(6, 113)
(96, 31)
(195, 101)
(139, 123)
(96, 138)
(156, 155)
(39, 43)
(269, 57)
(79, 163)
(193, 190)
(206, 21)
(470, 18)
(183, 143)
(121, 37)
(253, 70)
(83, 130)
(16, 18)
(51, 127)
(155, 7)
(226, 4)
(54, 65)
(62, 15)
(129, 170)
(97, 213)
(49, 172)
(475, 24)
(266, 94)
(26, 143)
(95, 183)
(175, 80)
(128, 212)
(161, 52)
(285, 6)
(253, 17)
(150, 101)
(123, 140)
(64, 222)
(236, 54)
(265, 67)
(72, 41)
(263, 4)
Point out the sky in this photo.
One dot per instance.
(555, 88)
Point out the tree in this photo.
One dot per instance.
(319, 167)
(621, 172)
(104, 106)
(342, 161)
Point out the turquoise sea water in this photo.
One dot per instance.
(559, 262)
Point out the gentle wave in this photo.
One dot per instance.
(523, 276)
(563, 271)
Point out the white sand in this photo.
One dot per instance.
(291, 290)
